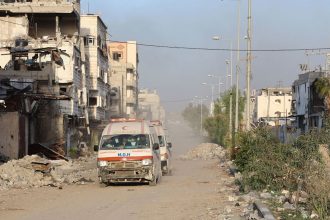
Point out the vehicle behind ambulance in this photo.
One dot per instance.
(165, 147)
(129, 152)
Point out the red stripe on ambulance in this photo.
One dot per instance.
(134, 158)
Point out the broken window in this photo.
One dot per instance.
(63, 89)
(92, 101)
(116, 56)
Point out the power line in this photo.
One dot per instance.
(223, 49)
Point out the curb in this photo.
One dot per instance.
(263, 211)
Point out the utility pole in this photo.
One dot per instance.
(201, 116)
(231, 92)
(237, 65)
(248, 71)
(201, 111)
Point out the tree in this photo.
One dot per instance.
(192, 114)
(217, 126)
(323, 89)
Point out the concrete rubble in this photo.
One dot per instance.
(205, 151)
(35, 171)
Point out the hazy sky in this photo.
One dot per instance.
(178, 74)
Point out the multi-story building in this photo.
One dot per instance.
(150, 107)
(94, 32)
(307, 107)
(124, 76)
(272, 105)
(42, 74)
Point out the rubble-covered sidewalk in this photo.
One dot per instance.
(35, 171)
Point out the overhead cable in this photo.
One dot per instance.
(222, 49)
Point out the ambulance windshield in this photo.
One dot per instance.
(125, 141)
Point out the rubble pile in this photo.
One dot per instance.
(35, 171)
(3, 159)
(205, 151)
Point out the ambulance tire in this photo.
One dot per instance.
(153, 182)
(103, 185)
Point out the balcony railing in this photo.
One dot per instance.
(96, 113)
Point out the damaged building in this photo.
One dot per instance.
(42, 76)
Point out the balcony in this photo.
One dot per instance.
(131, 100)
(96, 83)
(96, 113)
(131, 83)
(44, 71)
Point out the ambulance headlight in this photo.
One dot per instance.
(103, 163)
(146, 162)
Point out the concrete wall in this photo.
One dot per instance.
(302, 98)
(128, 50)
(132, 54)
(13, 136)
(12, 27)
(269, 106)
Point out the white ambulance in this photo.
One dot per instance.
(165, 147)
(129, 152)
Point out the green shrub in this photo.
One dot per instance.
(265, 163)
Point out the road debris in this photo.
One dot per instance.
(35, 171)
(205, 151)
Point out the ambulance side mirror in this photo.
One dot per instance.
(155, 146)
(96, 147)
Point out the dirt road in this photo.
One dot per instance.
(196, 190)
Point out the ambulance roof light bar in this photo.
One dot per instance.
(126, 120)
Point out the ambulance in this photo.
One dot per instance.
(165, 147)
(129, 152)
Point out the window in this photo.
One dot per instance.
(99, 41)
(278, 114)
(63, 89)
(101, 74)
(125, 141)
(89, 41)
(92, 101)
(116, 56)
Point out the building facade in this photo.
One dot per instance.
(307, 107)
(150, 107)
(124, 77)
(272, 105)
(94, 34)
